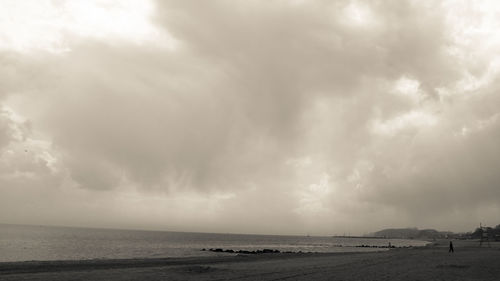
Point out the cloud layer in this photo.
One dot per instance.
(260, 117)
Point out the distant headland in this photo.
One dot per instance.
(492, 233)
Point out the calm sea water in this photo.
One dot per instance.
(23, 243)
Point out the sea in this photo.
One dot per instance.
(29, 243)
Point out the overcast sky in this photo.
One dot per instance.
(279, 117)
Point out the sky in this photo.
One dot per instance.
(269, 117)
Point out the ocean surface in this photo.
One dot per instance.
(25, 243)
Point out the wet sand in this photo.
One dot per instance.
(469, 262)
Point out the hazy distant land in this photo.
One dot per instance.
(492, 233)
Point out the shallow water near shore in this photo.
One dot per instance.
(25, 243)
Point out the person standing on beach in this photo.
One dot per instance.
(451, 248)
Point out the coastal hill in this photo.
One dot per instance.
(492, 233)
(411, 233)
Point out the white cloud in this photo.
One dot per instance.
(359, 14)
(409, 88)
(35, 25)
(410, 120)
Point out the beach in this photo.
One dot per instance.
(433, 262)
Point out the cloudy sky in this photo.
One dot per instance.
(280, 117)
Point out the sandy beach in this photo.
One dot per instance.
(469, 262)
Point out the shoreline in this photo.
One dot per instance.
(36, 266)
(431, 262)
